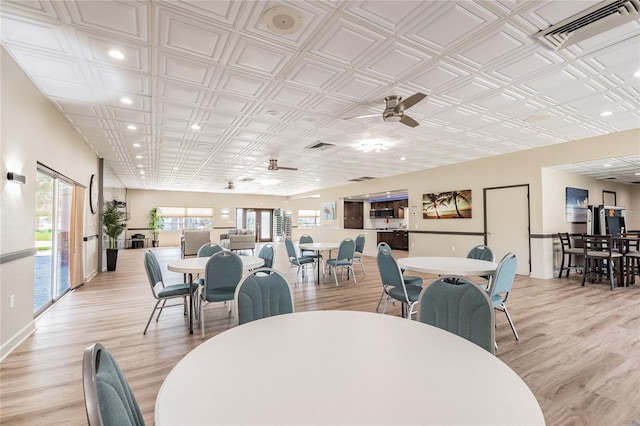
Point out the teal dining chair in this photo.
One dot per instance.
(222, 275)
(262, 293)
(461, 307)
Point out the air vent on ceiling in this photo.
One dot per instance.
(321, 146)
(593, 21)
(362, 178)
(610, 178)
(636, 182)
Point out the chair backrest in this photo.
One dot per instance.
(481, 252)
(597, 243)
(360, 239)
(390, 273)
(564, 240)
(306, 238)
(154, 273)
(223, 272)
(346, 249)
(262, 293)
(291, 250)
(503, 279)
(267, 253)
(384, 247)
(107, 395)
(462, 308)
(208, 250)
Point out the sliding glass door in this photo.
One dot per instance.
(52, 232)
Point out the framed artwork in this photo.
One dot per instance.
(577, 201)
(447, 205)
(328, 211)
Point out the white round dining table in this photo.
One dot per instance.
(319, 247)
(442, 265)
(197, 265)
(342, 368)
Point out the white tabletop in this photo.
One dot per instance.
(197, 265)
(319, 246)
(342, 367)
(448, 265)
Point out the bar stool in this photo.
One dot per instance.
(600, 259)
(567, 253)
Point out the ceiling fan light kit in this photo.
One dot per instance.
(395, 107)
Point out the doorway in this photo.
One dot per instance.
(260, 221)
(53, 234)
(507, 226)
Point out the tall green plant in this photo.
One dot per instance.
(155, 222)
(114, 222)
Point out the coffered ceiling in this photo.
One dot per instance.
(257, 94)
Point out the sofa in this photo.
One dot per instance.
(191, 241)
(238, 239)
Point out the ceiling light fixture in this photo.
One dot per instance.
(283, 20)
(136, 145)
(132, 127)
(116, 54)
(195, 126)
(126, 101)
(606, 165)
(377, 145)
(403, 158)
(637, 74)
(139, 157)
(605, 113)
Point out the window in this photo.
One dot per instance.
(178, 218)
(308, 218)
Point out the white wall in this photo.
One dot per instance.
(32, 131)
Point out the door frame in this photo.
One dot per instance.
(485, 211)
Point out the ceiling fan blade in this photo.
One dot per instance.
(410, 101)
(408, 121)
(361, 116)
(286, 168)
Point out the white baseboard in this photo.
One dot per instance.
(16, 340)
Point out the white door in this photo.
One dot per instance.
(507, 218)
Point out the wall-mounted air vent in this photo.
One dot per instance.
(593, 21)
(321, 146)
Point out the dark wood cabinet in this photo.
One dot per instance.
(397, 240)
(353, 215)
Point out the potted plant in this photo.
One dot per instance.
(155, 224)
(114, 222)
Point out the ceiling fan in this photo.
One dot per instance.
(395, 107)
(230, 185)
(273, 165)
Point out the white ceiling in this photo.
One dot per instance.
(493, 88)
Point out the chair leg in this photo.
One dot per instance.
(202, 319)
(335, 275)
(164, 302)
(513, 328)
(355, 281)
(562, 267)
(380, 300)
(386, 301)
(151, 316)
(584, 270)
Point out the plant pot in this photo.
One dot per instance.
(155, 243)
(112, 259)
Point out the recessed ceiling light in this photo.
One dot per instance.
(637, 174)
(132, 127)
(138, 157)
(195, 126)
(175, 168)
(403, 158)
(272, 113)
(637, 74)
(136, 145)
(139, 165)
(126, 101)
(114, 53)
(606, 113)
(141, 172)
(606, 165)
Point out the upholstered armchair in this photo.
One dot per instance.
(238, 239)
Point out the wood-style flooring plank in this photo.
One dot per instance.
(579, 350)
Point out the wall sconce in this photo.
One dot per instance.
(14, 177)
(224, 212)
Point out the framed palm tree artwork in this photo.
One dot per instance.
(447, 205)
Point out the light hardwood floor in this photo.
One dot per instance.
(579, 350)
